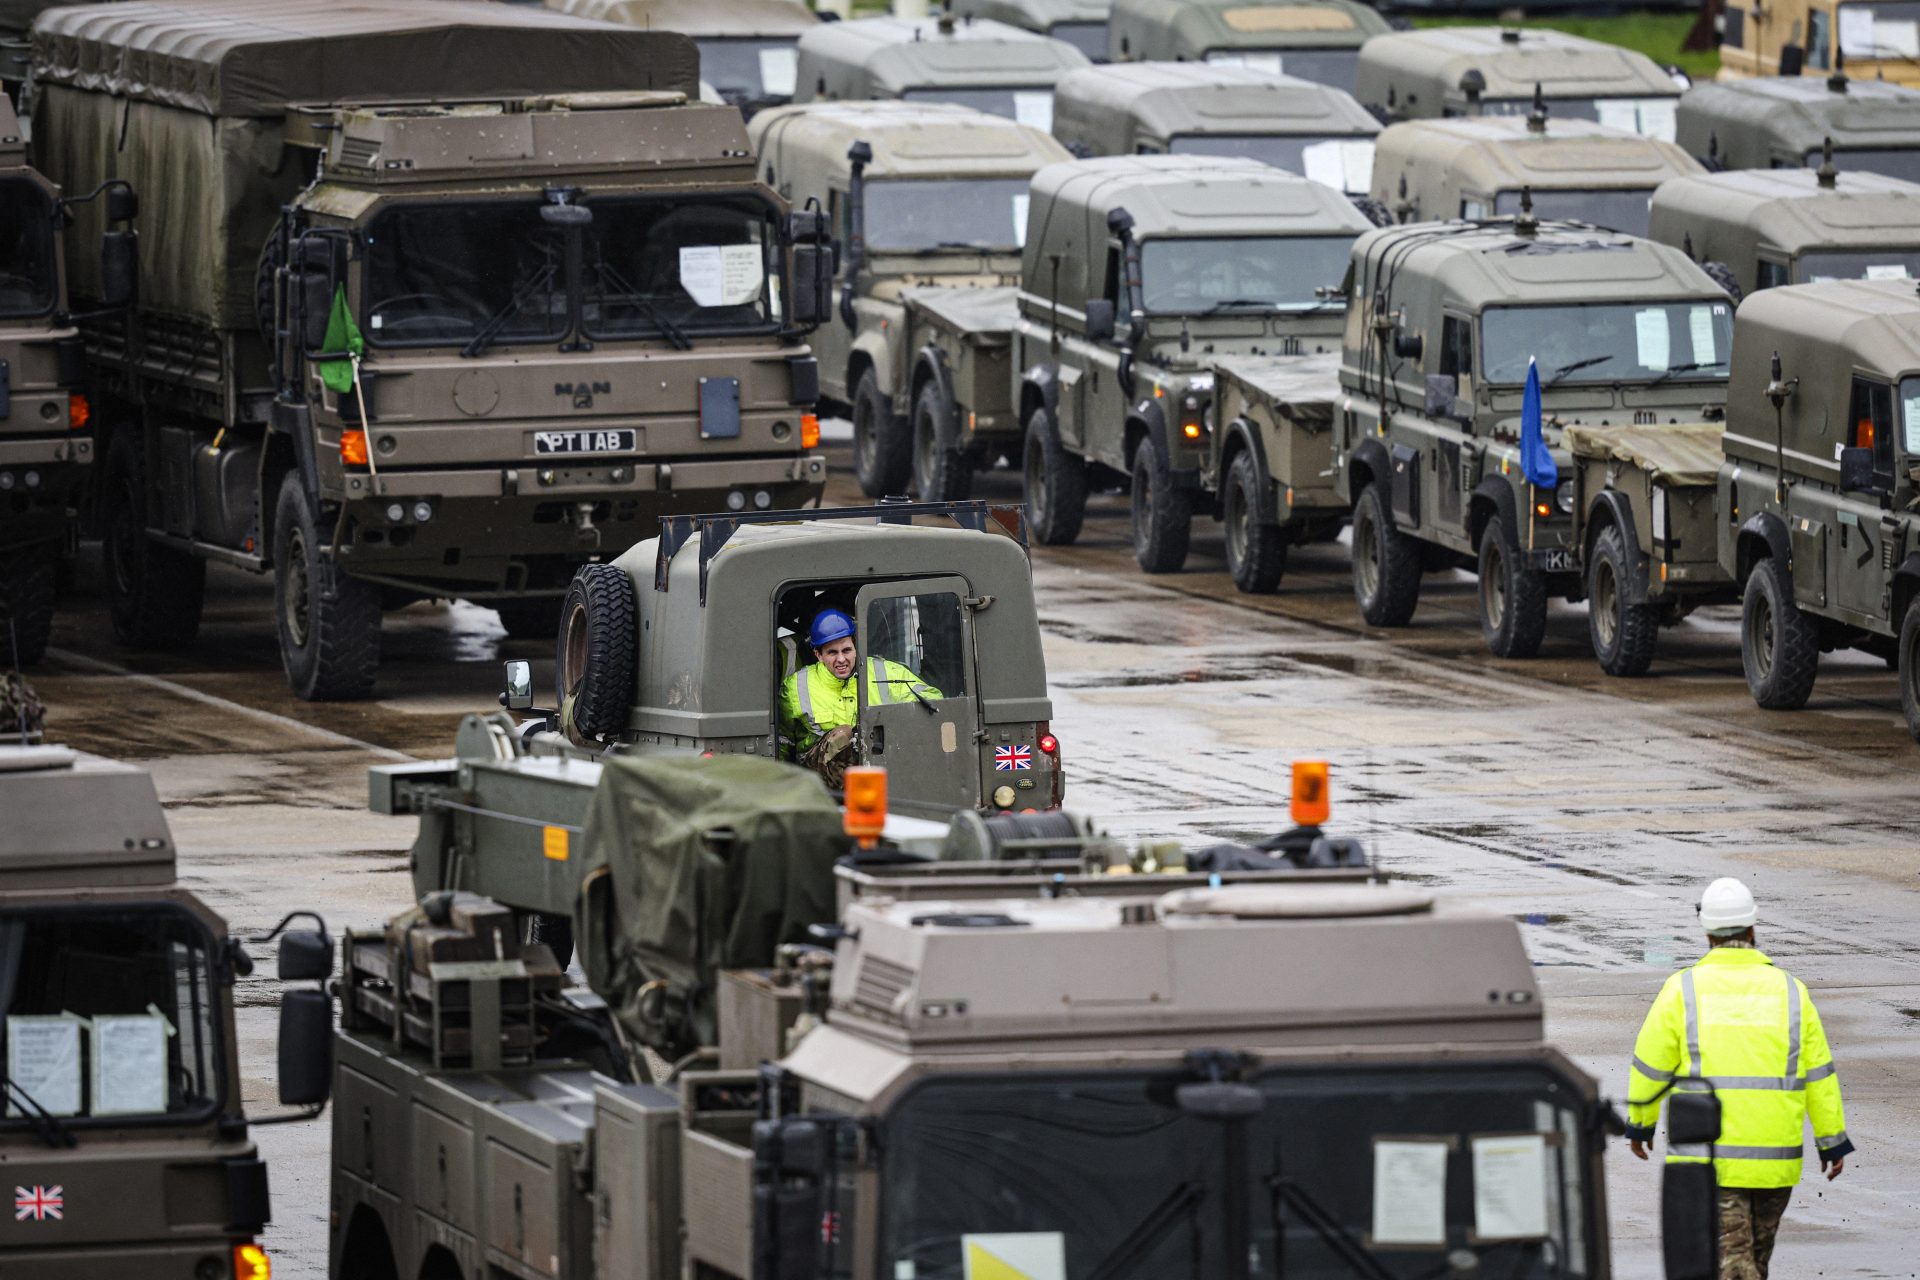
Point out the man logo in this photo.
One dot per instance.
(582, 392)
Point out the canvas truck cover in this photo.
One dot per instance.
(664, 904)
(1678, 454)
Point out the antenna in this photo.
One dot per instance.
(1838, 80)
(1828, 176)
(1525, 223)
(1686, 246)
(1537, 118)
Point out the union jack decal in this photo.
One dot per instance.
(1018, 757)
(38, 1203)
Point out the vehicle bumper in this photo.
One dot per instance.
(174, 1260)
(42, 479)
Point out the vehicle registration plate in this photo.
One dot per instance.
(614, 441)
(1555, 560)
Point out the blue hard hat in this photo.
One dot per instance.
(828, 626)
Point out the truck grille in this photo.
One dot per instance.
(881, 984)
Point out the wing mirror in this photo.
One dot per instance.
(518, 692)
(1689, 1191)
(1856, 469)
(119, 264)
(1100, 319)
(306, 1015)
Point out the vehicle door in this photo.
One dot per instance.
(1453, 468)
(1855, 571)
(832, 341)
(1104, 403)
(919, 709)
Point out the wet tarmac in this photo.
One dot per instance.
(1587, 808)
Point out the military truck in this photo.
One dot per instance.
(1472, 168)
(1786, 124)
(1080, 23)
(1797, 38)
(989, 66)
(515, 297)
(1469, 71)
(1192, 108)
(1225, 269)
(123, 1131)
(1035, 1075)
(1816, 496)
(929, 207)
(1444, 323)
(747, 47)
(1764, 227)
(1317, 40)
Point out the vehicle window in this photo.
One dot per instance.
(1335, 67)
(913, 216)
(109, 1014)
(1193, 275)
(1607, 342)
(1869, 264)
(26, 250)
(1343, 162)
(1456, 349)
(1122, 310)
(692, 264)
(1031, 105)
(750, 72)
(1878, 30)
(1894, 162)
(1770, 274)
(920, 644)
(1819, 40)
(1734, 30)
(1617, 210)
(1910, 419)
(1872, 414)
(1089, 38)
(1648, 117)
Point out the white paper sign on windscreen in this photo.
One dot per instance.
(1410, 1193)
(43, 1062)
(779, 71)
(1034, 108)
(721, 275)
(1653, 343)
(129, 1065)
(1510, 1187)
(1856, 31)
(1020, 204)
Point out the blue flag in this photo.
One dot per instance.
(1536, 460)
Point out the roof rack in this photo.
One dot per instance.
(714, 530)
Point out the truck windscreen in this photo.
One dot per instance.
(1343, 162)
(1894, 162)
(749, 71)
(1655, 117)
(1089, 38)
(1860, 264)
(1334, 67)
(1031, 105)
(1617, 210)
(440, 273)
(26, 249)
(1601, 342)
(915, 216)
(1104, 1174)
(111, 1015)
(1193, 275)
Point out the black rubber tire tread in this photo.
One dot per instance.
(939, 475)
(1259, 569)
(1374, 211)
(1054, 484)
(341, 655)
(1788, 682)
(1636, 627)
(1722, 274)
(1161, 516)
(1909, 667)
(535, 618)
(29, 584)
(159, 602)
(555, 932)
(1397, 565)
(882, 453)
(1523, 622)
(600, 636)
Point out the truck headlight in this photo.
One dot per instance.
(1563, 497)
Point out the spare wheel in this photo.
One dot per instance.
(595, 659)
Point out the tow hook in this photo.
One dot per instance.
(583, 527)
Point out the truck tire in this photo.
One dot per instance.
(1623, 635)
(28, 584)
(536, 618)
(1513, 598)
(598, 648)
(940, 474)
(1054, 483)
(1722, 274)
(1256, 551)
(328, 621)
(1162, 514)
(1910, 668)
(1386, 564)
(881, 453)
(1779, 646)
(154, 593)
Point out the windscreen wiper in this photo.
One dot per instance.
(1226, 303)
(478, 344)
(1130, 1252)
(45, 1123)
(644, 305)
(1566, 369)
(1364, 1261)
(1685, 368)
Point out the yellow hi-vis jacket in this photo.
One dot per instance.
(813, 700)
(1751, 1030)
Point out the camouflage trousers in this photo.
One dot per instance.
(1749, 1223)
(830, 755)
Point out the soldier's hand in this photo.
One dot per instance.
(1835, 1168)
(1638, 1147)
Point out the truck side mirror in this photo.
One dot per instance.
(312, 304)
(123, 204)
(1408, 345)
(1793, 59)
(1100, 319)
(306, 955)
(1690, 1192)
(119, 265)
(793, 1160)
(306, 1048)
(518, 694)
(812, 284)
(1856, 469)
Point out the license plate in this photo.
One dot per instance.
(616, 441)
(1555, 560)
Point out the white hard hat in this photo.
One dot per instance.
(1727, 907)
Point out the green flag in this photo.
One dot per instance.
(342, 335)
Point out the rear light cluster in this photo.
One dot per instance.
(250, 1262)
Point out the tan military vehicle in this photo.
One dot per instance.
(1317, 40)
(1445, 320)
(1433, 170)
(1764, 227)
(1080, 23)
(992, 67)
(1816, 496)
(1812, 37)
(1467, 71)
(488, 315)
(929, 207)
(1194, 108)
(1787, 123)
(1148, 280)
(123, 1131)
(748, 50)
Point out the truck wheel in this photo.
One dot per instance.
(537, 618)
(1722, 274)
(28, 577)
(1256, 552)
(1513, 598)
(881, 459)
(1386, 564)
(1623, 634)
(1910, 668)
(939, 474)
(155, 593)
(597, 652)
(1162, 514)
(1055, 484)
(329, 622)
(1779, 646)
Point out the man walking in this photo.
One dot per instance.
(1751, 1031)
